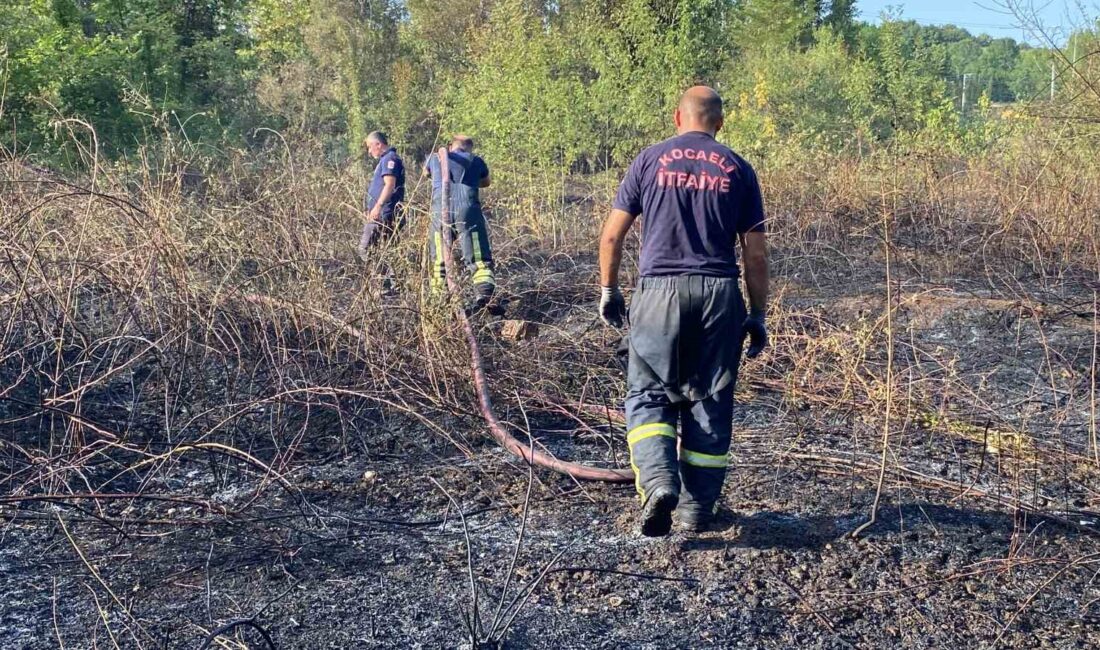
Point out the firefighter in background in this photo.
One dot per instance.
(383, 200)
(468, 174)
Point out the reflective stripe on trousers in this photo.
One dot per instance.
(473, 237)
(698, 468)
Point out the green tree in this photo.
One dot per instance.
(586, 82)
(996, 64)
(840, 18)
(771, 25)
(1030, 78)
(910, 90)
(819, 98)
(122, 67)
(276, 26)
(522, 99)
(327, 65)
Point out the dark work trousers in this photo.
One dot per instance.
(468, 224)
(685, 346)
(375, 232)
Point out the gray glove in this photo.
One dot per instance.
(756, 332)
(612, 306)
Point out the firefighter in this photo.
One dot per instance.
(687, 318)
(468, 174)
(383, 200)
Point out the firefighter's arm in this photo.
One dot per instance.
(611, 246)
(754, 252)
(612, 306)
(389, 186)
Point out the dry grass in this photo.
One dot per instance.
(152, 315)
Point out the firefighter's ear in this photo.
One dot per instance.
(677, 118)
(719, 124)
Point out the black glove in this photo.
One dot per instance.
(612, 306)
(756, 332)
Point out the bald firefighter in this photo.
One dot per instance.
(688, 320)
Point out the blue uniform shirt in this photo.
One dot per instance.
(465, 168)
(389, 164)
(696, 195)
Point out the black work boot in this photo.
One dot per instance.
(657, 511)
(485, 300)
(695, 521)
(481, 302)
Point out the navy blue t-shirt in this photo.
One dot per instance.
(389, 164)
(465, 168)
(696, 195)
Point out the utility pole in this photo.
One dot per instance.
(962, 110)
(1052, 81)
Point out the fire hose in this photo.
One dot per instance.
(481, 384)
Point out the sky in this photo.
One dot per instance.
(987, 16)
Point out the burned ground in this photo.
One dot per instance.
(288, 445)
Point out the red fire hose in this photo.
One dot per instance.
(481, 384)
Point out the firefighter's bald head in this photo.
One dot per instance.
(700, 109)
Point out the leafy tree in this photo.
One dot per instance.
(911, 92)
(560, 84)
(820, 98)
(840, 18)
(770, 25)
(32, 49)
(588, 82)
(997, 61)
(276, 27)
(328, 66)
(120, 66)
(523, 99)
(1030, 77)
